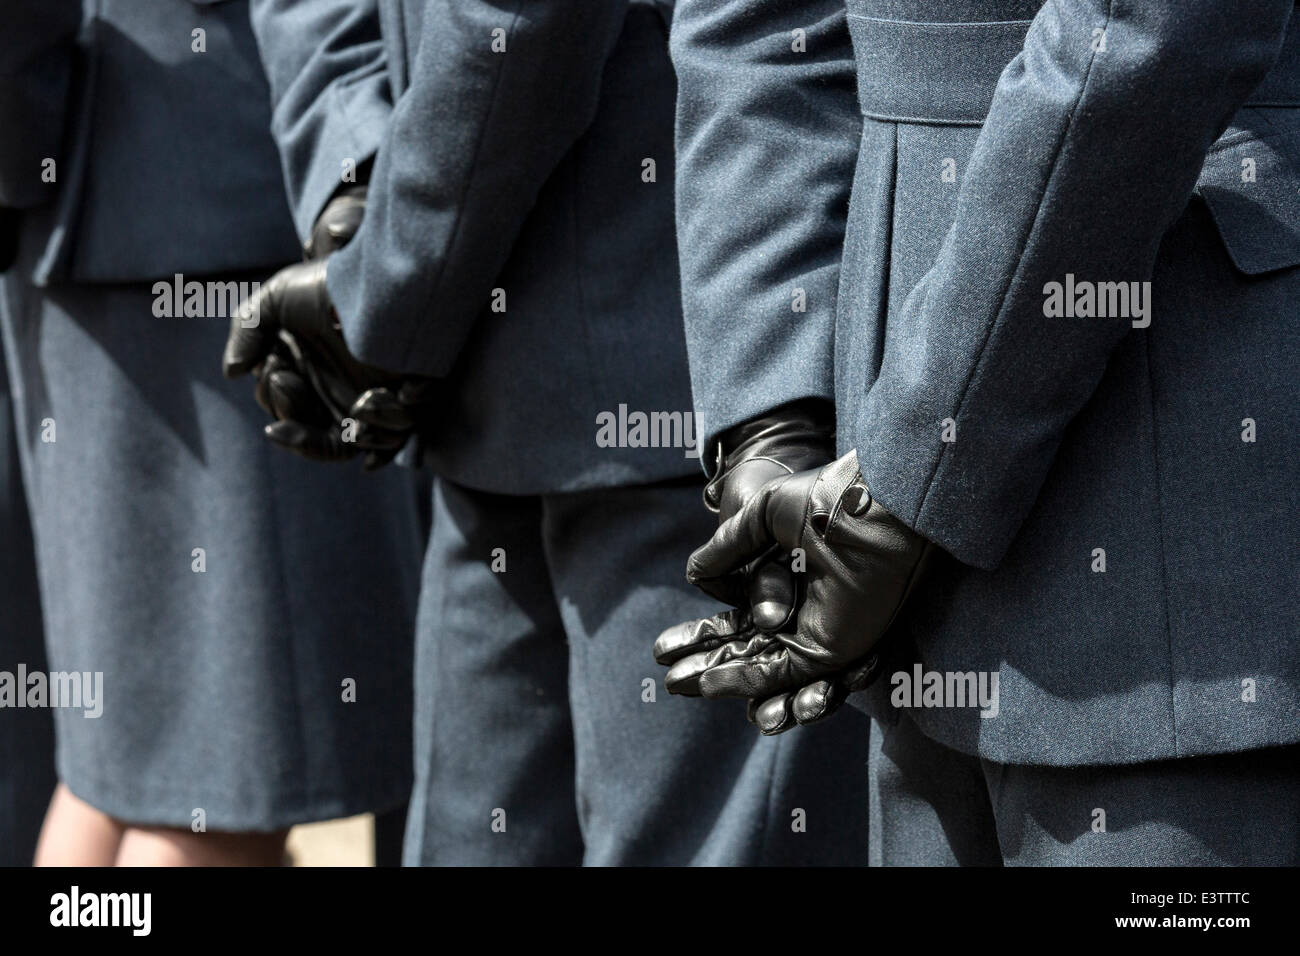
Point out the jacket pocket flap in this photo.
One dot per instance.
(1253, 193)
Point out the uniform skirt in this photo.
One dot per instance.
(247, 614)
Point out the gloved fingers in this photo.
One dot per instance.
(337, 224)
(379, 445)
(816, 701)
(730, 589)
(684, 676)
(771, 716)
(292, 399)
(808, 705)
(691, 637)
(772, 593)
(253, 329)
(381, 408)
(272, 364)
(327, 371)
(287, 396)
(740, 539)
(318, 444)
(863, 675)
(370, 438)
(771, 671)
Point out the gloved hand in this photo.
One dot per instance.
(289, 335)
(861, 565)
(792, 438)
(337, 223)
(789, 439)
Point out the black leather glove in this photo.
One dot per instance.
(337, 223)
(385, 416)
(388, 416)
(795, 437)
(289, 334)
(809, 704)
(790, 439)
(861, 565)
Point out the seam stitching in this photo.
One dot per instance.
(1160, 538)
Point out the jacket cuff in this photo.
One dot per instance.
(350, 131)
(948, 492)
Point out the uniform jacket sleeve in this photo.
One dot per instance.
(471, 142)
(37, 52)
(330, 93)
(768, 129)
(1088, 154)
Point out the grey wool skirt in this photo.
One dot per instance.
(246, 616)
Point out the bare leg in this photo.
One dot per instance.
(76, 834)
(175, 846)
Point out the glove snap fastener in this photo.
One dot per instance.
(857, 499)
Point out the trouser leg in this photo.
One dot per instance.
(493, 739)
(671, 780)
(929, 803)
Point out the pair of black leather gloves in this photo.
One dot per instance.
(327, 404)
(815, 569)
